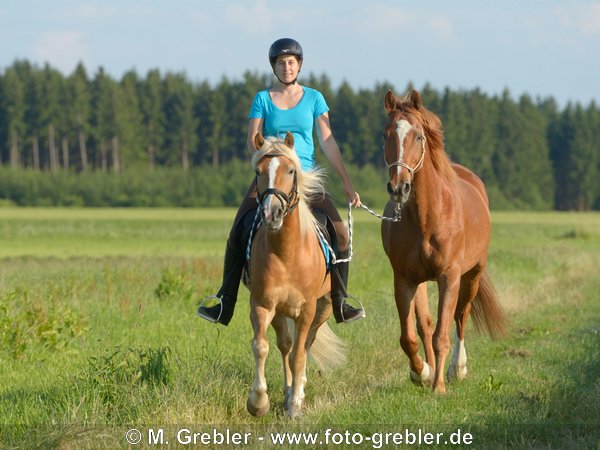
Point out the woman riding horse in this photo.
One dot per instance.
(288, 106)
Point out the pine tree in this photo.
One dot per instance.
(129, 133)
(14, 105)
(103, 118)
(151, 104)
(80, 99)
(181, 138)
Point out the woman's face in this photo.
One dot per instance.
(287, 68)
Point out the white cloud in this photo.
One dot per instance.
(442, 27)
(252, 17)
(589, 22)
(62, 49)
(583, 20)
(93, 11)
(384, 20)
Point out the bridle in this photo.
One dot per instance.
(400, 163)
(289, 201)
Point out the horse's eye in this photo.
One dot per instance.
(291, 171)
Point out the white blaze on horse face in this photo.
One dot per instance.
(273, 166)
(403, 127)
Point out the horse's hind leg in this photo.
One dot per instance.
(284, 343)
(469, 285)
(258, 401)
(420, 372)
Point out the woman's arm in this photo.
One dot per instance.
(255, 126)
(333, 155)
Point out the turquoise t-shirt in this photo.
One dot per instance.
(299, 121)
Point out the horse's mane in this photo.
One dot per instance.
(434, 133)
(310, 183)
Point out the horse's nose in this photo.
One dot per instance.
(272, 213)
(400, 192)
(405, 189)
(277, 214)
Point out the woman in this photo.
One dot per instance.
(288, 106)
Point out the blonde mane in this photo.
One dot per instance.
(310, 183)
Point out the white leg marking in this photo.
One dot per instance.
(458, 366)
(425, 378)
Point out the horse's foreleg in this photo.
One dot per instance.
(298, 359)
(258, 401)
(425, 324)
(420, 371)
(448, 285)
(284, 343)
(469, 285)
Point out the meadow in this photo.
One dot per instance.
(98, 335)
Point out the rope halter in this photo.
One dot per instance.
(400, 163)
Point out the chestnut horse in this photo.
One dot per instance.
(443, 235)
(288, 275)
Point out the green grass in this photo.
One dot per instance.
(98, 334)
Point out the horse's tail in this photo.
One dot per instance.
(486, 310)
(327, 350)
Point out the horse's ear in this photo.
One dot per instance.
(259, 140)
(390, 101)
(289, 140)
(415, 99)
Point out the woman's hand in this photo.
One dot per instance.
(352, 196)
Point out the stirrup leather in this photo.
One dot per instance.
(200, 313)
(358, 316)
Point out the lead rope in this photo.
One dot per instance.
(397, 217)
(397, 213)
(254, 226)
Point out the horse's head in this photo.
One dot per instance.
(276, 178)
(404, 147)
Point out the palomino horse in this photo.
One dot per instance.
(443, 235)
(288, 275)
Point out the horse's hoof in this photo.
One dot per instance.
(439, 390)
(258, 412)
(425, 379)
(293, 413)
(455, 373)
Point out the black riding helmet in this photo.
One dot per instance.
(285, 46)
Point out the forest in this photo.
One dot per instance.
(162, 139)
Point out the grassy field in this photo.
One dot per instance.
(98, 335)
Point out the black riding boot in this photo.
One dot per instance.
(342, 312)
(232, 273)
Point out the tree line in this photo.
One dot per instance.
(530, 153)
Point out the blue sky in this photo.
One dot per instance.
(543, 48)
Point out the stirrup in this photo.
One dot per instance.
(200, 313)
(358, 316)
